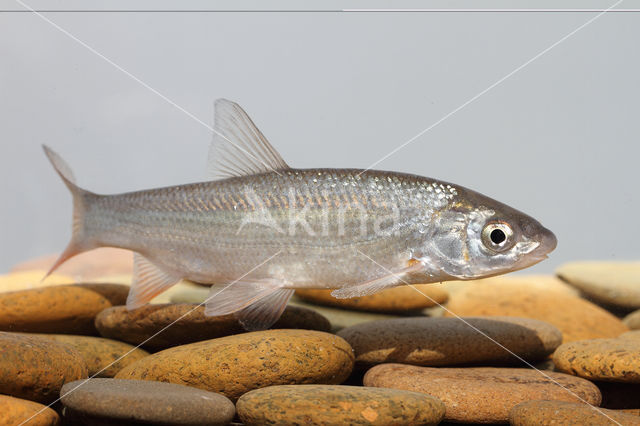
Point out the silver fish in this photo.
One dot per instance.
(263, 229)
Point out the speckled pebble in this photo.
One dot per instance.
(104, 357)
(16, 411)
(187, 323)
(398, 299)
(450, 341)
(633, 320)
(613, 283)
(234, 365)
(334, 405)
(115, 402)
(615, 360)
(576, 318)
(482, 394)
(561, 413)
(67, 309)
(35, 369)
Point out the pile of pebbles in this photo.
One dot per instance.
(525, 350)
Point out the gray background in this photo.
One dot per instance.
(558, 140)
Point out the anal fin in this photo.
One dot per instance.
(257, 304)
(148, 282)
(367, 288)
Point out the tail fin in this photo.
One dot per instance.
(78, 243)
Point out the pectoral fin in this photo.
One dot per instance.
(148, 282)
(392, 279)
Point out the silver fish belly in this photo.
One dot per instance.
(265, 229)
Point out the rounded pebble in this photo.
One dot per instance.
(104, 357)
(482, 394)
(334, 405)
(612, 283)
(615, 360)
(450, 341)
(35, 369)
(398, 299)
(122, 401)
(561, 413)
(28, 280)
(633, 320)
(16, 411)
(234, 365)
(67, 309)
(576, 318)
(180, 324)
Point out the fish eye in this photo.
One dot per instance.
(497, 236)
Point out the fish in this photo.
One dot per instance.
(258, 229)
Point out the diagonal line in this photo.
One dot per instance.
(498, 82)
(490, 338)
(139, 81)
(154, 335)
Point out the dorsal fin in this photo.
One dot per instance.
(238, 147)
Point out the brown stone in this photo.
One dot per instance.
(104, 357)
(633, 320)
(116, 294)
(234, 365)
(561, 413)
(612, 283)
(59, 309)
(335, 405)
(31, 279)
(35, 368)
(116, 402)
(94, 264)
(180, 324)
(398, 299)
(482, 394)
(616, 360)
(451, 341)
(16, 411)
(576, 318)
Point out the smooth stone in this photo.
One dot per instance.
(451, 341)
(616, 360)
(35, 369)
(561, 413)
(482, 394)
(633, 320)
(158, 327)
(104, 357)
(398, 299)
(611, 283)
(335, 405)
(577, 319)
(17, 411)
(31, 279)
(342, 318)
(87, 266)
(66, 309)
(123, 401)
(234, 365)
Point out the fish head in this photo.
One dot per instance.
(482, 237)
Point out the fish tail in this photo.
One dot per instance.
(80, 241)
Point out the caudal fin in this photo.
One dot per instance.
(79, 242)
